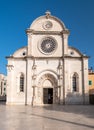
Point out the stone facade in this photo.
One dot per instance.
(48, 70)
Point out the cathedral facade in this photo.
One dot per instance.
(47, 70)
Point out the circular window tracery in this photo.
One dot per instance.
(47, 25)
(48, 45)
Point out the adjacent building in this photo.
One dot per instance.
(47, 70)
(91, 86)
(3, 84)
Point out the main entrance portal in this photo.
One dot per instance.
(47, 90)
(48, 95)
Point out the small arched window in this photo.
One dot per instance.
(75, 83)
(21, 83)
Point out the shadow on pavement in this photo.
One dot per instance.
(62, 120)
(86, 110)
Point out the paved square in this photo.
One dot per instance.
(55, 117)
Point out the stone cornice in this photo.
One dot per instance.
(14, 58)
(74, 57)
(30, 31)
(32, 57)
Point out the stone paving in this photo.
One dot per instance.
(55, 117)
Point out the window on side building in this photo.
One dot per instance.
(90, 82)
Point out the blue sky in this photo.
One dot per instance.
(17, 15)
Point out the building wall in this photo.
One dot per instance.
(91, 83)
(91, 87)
(17, 67)
(75, 66)
(44, 67)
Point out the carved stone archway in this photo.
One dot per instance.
(49, 77)
(46, 81)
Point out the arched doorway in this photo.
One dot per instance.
(47, 85)
(47, 92)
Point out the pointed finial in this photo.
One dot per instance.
(48, 13)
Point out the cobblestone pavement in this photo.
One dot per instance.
(55, 117)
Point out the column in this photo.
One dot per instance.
(60, 83)
(34, 76)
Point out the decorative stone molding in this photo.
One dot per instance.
(60, 67)
(43, 32)
(34, 77)
(34, 67)
(59, 86)
(47, 77)
(39, 92)
(65, 32)
(47, 25)
(34, 86)
(29, 31)
(60, 76)
(10, 67)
